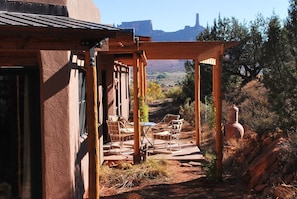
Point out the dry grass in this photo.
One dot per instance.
(285, 191)
(126, 175)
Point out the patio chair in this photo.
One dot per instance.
(165, 122)
(124, 124)
(117, 134)
(168, 117)
(170, 135)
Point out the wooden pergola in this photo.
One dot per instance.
(137, 53)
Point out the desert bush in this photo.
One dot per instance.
(126, 175)
(207, 112)
(154, 91)
(210, 165)
(187, 111)
(174, 92)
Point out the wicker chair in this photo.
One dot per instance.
(117, 134)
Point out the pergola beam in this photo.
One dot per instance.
(180, 50)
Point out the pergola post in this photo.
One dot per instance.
(144, 80)
(217, 81)
(141, 79)
(197, 103)
(136, 113)
(92, 123)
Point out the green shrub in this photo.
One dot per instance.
(144, 110)
(210, 165)
(254, 108)
(154, 91)
(207, 112)
(174, 92)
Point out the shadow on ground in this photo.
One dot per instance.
(198, 188)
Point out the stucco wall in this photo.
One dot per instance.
(64, 152)
(65, 157)
(125, 94)
(78, 9)
(84, 10)
(56, 129)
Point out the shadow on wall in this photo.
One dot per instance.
(79, 182)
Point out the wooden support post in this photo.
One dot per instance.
(141, 80)
(136, 113)
(143, 64)
(217, 82)
(144, 80)
(197, 103)
(92, 124)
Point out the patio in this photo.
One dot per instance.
(188, 151)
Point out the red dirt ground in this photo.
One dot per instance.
(188, 182)
(184, 182)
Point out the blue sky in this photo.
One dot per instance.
(172, 15)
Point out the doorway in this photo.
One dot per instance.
(20, 131)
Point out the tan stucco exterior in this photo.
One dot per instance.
(55, 99)
(77, 9)
(84, 10)
(64, 152)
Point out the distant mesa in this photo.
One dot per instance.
(145, 28)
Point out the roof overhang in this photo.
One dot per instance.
(21, 31)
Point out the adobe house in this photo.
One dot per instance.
(47, 60)
(61, 75)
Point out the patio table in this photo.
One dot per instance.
(145, 128)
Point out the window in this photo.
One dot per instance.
(82, 102)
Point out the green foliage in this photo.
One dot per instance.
(210, 165)
(162, 76)
(174, 92)
(264, 47)
(211, 111)
(255, 111)
(207, 112)
(131, 91)
(242, 62)
(280, 74)
(144, 110)
(187, 111)
(188, 84)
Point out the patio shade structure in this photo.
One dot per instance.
(22, 36)
(143, 49)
